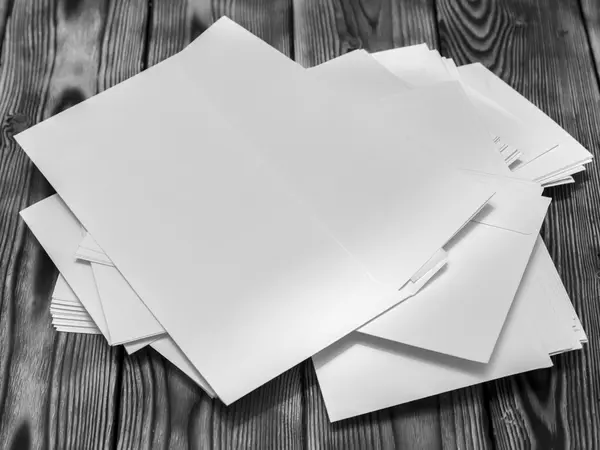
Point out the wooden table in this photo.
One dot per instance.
(64, 391)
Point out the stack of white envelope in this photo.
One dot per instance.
(240, 214)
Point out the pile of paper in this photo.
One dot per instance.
(240, 214)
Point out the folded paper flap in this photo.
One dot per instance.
(89, 243)
(516, 205)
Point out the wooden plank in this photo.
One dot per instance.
(591, 15)
(326, 29)
(160, 406)
(464, 419)
(540, 47)
(6, 7)
(56, 390)
(176, 23)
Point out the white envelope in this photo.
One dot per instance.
(361, 373)
(473, 292)
(190, 182)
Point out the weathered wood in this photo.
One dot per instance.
(464, 419)
(326, 29)
(540, 47)
(6, 7)
(57, 391)
(591, 16)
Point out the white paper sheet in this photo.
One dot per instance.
(77, 330)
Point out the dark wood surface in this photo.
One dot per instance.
(61, 391)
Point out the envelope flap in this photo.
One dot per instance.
(515, 206)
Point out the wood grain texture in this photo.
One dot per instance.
(540, 47)
(590, 11)
(324, 29)
(56, 391)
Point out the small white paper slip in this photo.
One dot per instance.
(562, 174)
(132, 347)
(562, 181)
(59, 232)
(63, 322)
(251, 251)
(362, 373)
(64, 314)
(474, 292)
(78, 330)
